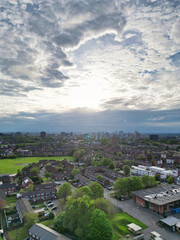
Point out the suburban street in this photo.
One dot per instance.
(144, 215)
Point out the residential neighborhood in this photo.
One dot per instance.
(35, 188)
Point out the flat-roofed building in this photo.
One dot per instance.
(161, 199)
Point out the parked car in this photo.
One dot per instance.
(53, 208)
(50, 204)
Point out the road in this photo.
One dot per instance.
(144, 215)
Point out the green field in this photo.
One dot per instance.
(121, 220)
(12, 165)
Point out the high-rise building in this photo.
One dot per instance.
(154, 137)
(42, 134)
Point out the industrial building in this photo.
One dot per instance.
(162, 199)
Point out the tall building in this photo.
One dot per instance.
(137, 136)
(154, 137)
(42, 134)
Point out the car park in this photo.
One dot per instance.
(50, 204)
(54, 208)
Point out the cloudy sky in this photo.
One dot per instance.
(90, 65)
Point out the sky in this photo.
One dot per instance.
(90, 65)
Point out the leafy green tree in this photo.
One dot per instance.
(105, 206)
(86, 191)
(64, 191)
(30, 219)
(99, 177)
(97, 190)
(148, 181)
(119, 154)
(135, 183)
(126, 169)
(35, 170)
(93, 163)
(75, 171)
(100, 228)
(77, 216)
(170, 180)
(122, 186)
(58, 222)
(111, 165)
(77, 155)
(48, 174)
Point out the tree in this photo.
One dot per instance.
(135, 183)
(48, 174)
(170, 180)
(126, 169)
(75, 171)
(65, 190)
(105, 206)
(111, 165)
(100, 227)
(97, 190)
(99, 177)
(148, 181)
(30, 219)
(35, 170)
(77, 216)
(86, 191)
(58, 222)
(122, 186)
(77, 155)
(93, 163)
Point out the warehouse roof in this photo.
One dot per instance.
(160, 195)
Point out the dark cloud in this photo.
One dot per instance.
(15, 89)
(84, 120)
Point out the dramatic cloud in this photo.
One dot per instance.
(59, 56)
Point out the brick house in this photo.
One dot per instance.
(27, 182)
(40, 195)
(8, 188)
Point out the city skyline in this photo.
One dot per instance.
(90, 66)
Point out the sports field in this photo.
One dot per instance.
(12, 165)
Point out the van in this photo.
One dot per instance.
(155, 236)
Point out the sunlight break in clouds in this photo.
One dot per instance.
(61, 56)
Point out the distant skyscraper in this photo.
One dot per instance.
(137, 136)
(154, 137)
(42, 134)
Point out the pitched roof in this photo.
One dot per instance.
(24, 206)
(2, 195)
(46, 233)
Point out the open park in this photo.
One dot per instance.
(10, 166)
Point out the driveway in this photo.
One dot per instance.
(144, 215)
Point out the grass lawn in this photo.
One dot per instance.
(11, 200)
(121, 220)
(12, 165)
(18, 234)
(48, 223)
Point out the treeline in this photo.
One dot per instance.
(125, 186)
(86, 214)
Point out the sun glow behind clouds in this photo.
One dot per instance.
(88, 96)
